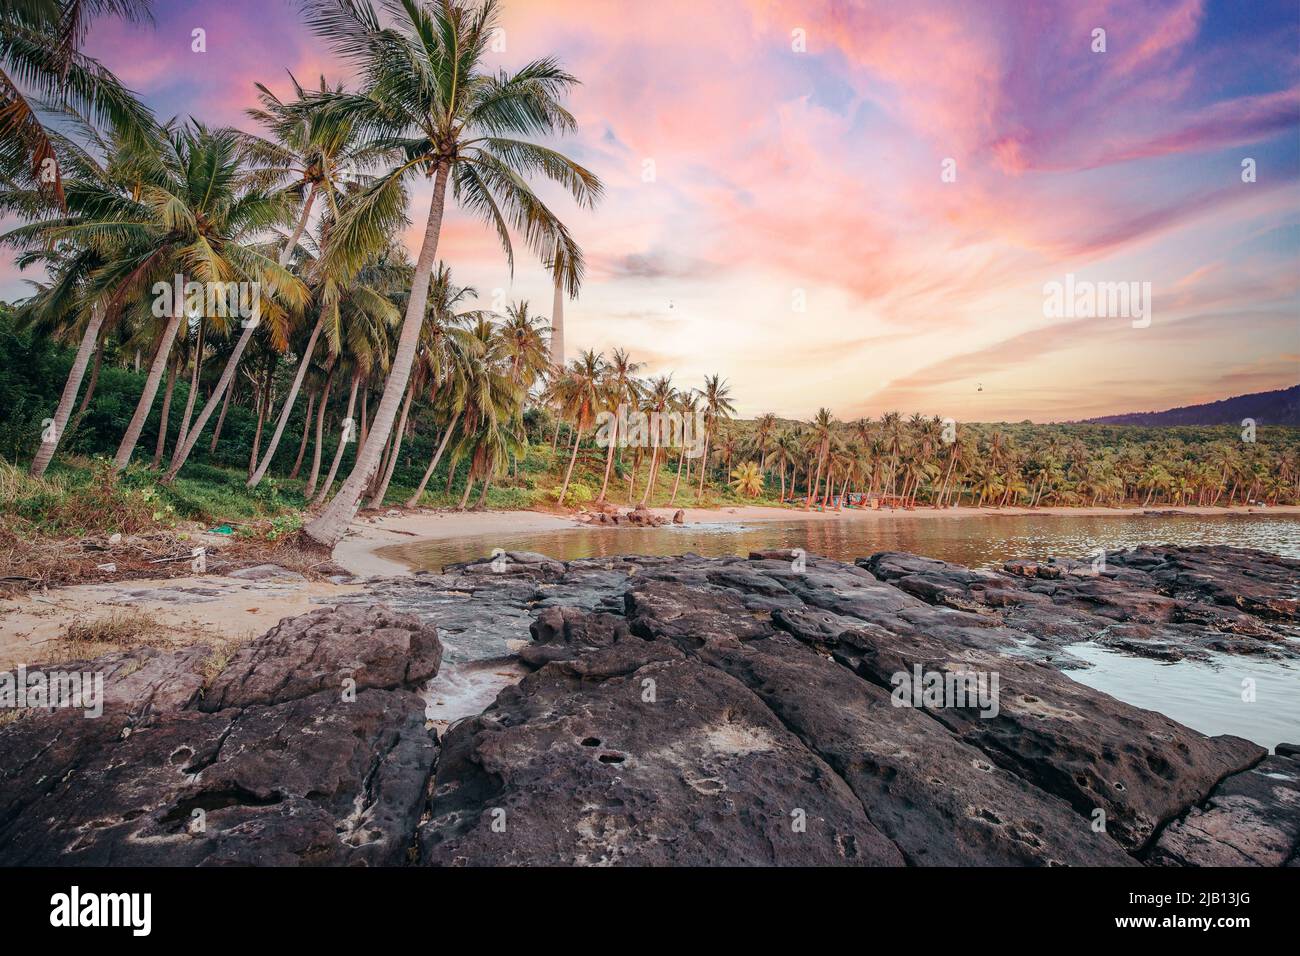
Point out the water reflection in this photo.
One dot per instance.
(983, 542)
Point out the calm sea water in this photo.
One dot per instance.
(983, 542)
(1206, 696)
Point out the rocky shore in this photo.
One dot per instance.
(769, 710)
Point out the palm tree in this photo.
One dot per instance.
(619, 389)
(426, 101)
(659, 399)
(747, 479)
(445, 345)
(822, 427)
(716, 396)
(315, 152)
(185, 214)
(41, 62)
(580, 397)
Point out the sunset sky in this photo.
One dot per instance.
(780, 173)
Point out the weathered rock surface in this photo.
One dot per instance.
(372, 646)
(1251, 819)
(1165, 603)
(680, 710)
(278, 762)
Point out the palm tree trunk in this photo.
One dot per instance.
(164, 418)
(306, 433)
(194, 384)
(681, 463)
(650, 485)
(482, 498)
(609, 458)
(557, 319)
(89, 338)
(221, 420)
(289, 399)
(320, 437)
(228, 373)
(328, 528)
(469, 485)
(433, 462)
(342, 445)
(378, 500)
(151, 382)
(812, 490)
(577, 436)
(704, 462)
(94, 377)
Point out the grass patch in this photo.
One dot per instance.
(120, 628)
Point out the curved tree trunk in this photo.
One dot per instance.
(328, 527)
(228, 373)
(577, 437)
(151, 382)
(306, 433)
(609, 458)
(89, 338)
(94, 378)
(433, 463)
(345, 429)
(289, 399)
(378, 499)
(469, 485)
(221, 420)
(164, 419)
(681, 463)
(704, 463)
(194, 384)
(320, 436)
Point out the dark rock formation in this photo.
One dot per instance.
(683, 710)
(282, 762)
(372, 646)
(1251, 819)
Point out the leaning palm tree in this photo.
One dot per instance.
(426, 101)
(186, 214)
(312, 154)
(41, 65)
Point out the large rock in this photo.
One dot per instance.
(371, 646)
(1251, 819)
(283, 764)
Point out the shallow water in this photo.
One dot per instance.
(1206, 696)
(983, 542)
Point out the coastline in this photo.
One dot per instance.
(358, 551)
(228, 610)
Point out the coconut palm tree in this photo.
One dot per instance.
(659, 399)
(716, 397)
(187, 214)
(309, 153)
(747, 480)
(426, 101)
(619, 389)
(580, 396)
(42, 68)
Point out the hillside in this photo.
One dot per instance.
(1281, 407)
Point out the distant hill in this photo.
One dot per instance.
(1266, 408)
